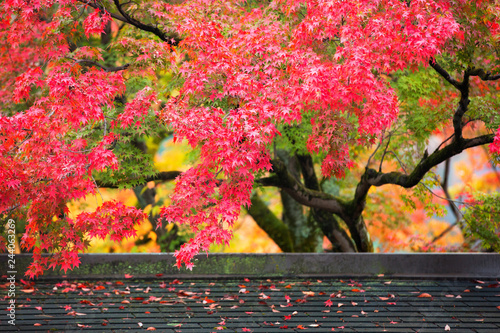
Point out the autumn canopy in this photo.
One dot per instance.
(245, 73)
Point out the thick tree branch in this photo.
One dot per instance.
(444, 73)
(171, 38)
(374, 178)
(97, 6)
(311, 198)
(327, 222)
(462, 108)
(164, 176)
(485, 76)
(271, 224)
(444, 186)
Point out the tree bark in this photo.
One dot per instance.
(273, 226)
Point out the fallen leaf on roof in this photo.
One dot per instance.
(150, 329)
(447, 328)
(424, 295)
(37, 324)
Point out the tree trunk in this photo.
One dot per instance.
(360, 235)
(267, 221)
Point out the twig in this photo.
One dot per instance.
(442, 143)
(385, 152)
(97, 188)
(25, 139)
(444, 232)
(8, 210)
(451, 136)
(373, 154)
(400, 163)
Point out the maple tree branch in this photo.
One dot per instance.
(24, 140)
(384, 153)
(444, 73)
(10, 209)
(371, 177)
(164, 176)
(172, 38)
(374, 152)
(442, 143)
(327, 222)
(443, 233)
(485, 76)
(462, 108)
(374, 178)
(307, 197)
(444, 186)
(272, 225)
(96, 6)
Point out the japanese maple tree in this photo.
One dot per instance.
(319, 78)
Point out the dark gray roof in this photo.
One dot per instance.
(110, 301)
(192, 305)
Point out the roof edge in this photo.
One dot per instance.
(217, 265)
(220, 265)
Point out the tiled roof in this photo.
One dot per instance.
(260, 293)
(377, 304)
